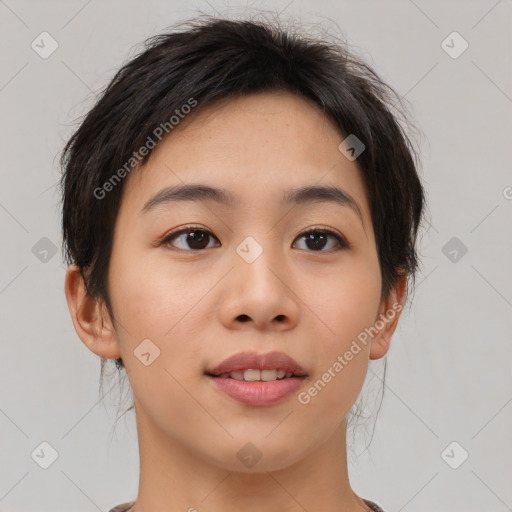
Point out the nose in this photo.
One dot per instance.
(259, 294)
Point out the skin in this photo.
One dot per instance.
(308, 303)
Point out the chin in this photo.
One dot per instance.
(256, 457)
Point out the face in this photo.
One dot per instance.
(194, 281)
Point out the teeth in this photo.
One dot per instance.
(255, 375)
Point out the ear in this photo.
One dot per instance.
(90, 317)
(387, 318)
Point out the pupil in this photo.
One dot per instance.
(197, 236)
(316, 243)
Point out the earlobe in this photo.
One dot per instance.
(90, 318)
(387, 319)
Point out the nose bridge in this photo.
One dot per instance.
(260, 258)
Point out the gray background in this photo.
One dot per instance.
(449, 369)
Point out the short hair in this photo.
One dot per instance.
(214, 58)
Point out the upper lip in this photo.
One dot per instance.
(252, 360)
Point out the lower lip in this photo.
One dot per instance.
(259, 392)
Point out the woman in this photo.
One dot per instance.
(240, 211)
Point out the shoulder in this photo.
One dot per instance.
(124, 507)
(373, 506)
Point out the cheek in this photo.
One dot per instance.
(167, 307)
(347, 304)
(162, 309)
(152, 298)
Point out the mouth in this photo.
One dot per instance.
(258, 379)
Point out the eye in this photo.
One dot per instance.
(317, 238)
(195, 237)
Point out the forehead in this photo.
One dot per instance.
(257, 146)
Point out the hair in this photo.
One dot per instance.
(214, 58)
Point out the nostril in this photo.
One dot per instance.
(243, 318)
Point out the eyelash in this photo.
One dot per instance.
(342, 242)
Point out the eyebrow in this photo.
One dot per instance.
(199, 192)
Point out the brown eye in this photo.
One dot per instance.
(194, 238)
(317, 239)
(191, 238)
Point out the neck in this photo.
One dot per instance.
(173, 475)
